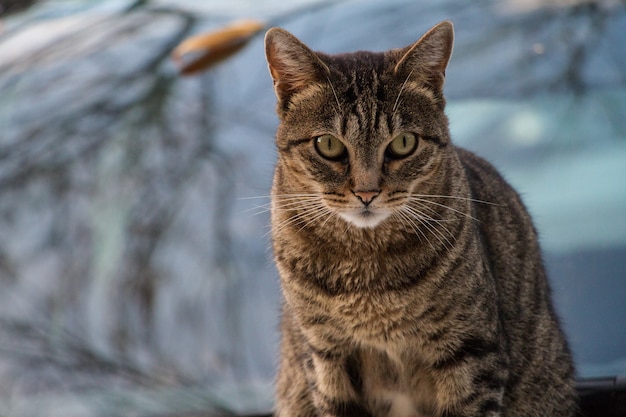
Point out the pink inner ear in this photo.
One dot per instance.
(288, 74)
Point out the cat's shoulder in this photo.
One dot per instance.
(484, 179)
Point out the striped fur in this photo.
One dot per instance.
(429, 300)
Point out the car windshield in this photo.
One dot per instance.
(135, 262)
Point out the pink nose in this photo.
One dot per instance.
(366, 197)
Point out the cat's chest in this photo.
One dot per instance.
(370, 297)
(396, 386)
(374, 317)
(379, 314)
(364, 309)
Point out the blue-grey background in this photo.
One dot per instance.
(135, 268)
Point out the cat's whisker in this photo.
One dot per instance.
(439, 222)
(295, 195)
(426, 221)
(279, 196)
(415, 216)
(330, 216)
(332, 87)
(419, 213)
(457, 211)
(397, 102)
(419, 222)
(309, 212)
(259, 210)
(346, 228)
(405, 218)
(295, 205)
(316, 217)
(433, 212)
(282, 225)
(255, 197)
(264, 208)
(295, 202)
(473, 200)
(282, 202)
(303, 214)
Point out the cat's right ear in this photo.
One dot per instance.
(426, 60)
(293, 66)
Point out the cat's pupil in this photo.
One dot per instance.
(402, 145)
(330, 147)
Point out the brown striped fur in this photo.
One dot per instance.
(413, 286)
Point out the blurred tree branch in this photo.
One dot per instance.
(8, 7)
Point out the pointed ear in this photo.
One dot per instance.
(293, 66)
(426, 60)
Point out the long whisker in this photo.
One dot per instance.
(330, 216)
(332, 87)
(308, 214)
(424, 200)
(294, 205)
(263, 208)
(255, 197)
(432, 211)
(259, 210)
(316, 216)
(283, 201)
(406, 218)
(397, 102)
(427, 208)
(279, 196)
(473, 200)
(307, 207)
(280, 226)
(438, 232)
(425, 224)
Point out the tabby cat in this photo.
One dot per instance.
(412, 278)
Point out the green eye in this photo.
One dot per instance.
(330, 147)
(402, 145)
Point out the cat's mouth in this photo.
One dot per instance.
(365, 217)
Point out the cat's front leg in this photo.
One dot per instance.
(318, 375)
(481, 402)
(472, 381)
(332, 383)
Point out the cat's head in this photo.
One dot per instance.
(359, 132)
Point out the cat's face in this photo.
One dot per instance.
(361, 134)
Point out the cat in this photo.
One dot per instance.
(411, 276)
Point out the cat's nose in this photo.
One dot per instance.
(366, 197)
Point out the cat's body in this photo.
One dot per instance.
(412, 279)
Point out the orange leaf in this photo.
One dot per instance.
(201, 52)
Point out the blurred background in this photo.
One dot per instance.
(135, 268)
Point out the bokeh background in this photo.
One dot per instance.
(135, 268)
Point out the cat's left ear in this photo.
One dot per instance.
(293, 66)
(426, 60)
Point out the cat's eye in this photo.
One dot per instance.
(402, 145)
(330, 147)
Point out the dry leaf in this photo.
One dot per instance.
(201, 52)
